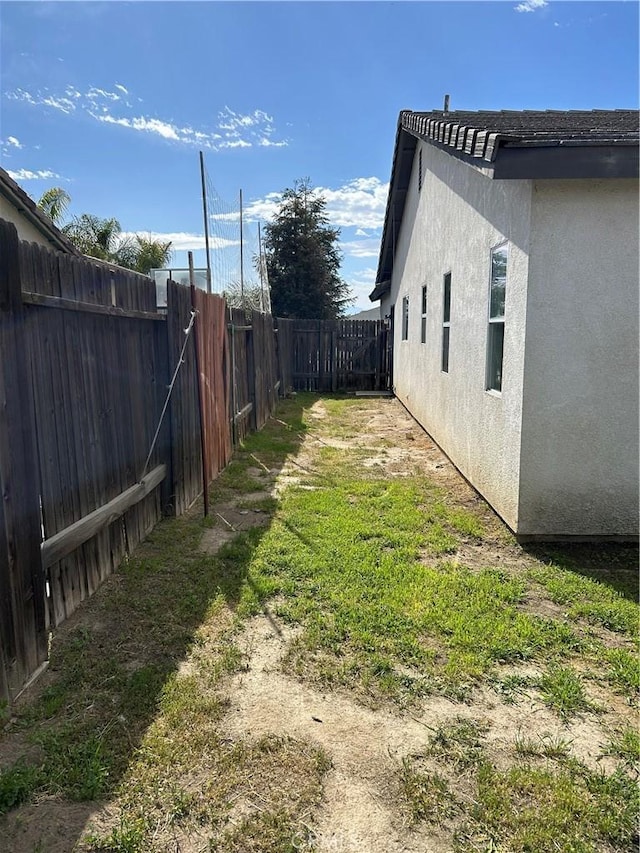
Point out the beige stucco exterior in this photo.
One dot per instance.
(537, 451)
(25, 228)
(579, 447)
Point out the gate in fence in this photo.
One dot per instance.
(335, 355)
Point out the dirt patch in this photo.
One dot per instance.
(48, 825)
(365, 747)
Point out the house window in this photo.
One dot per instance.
(495, 337)
(423, 318)
(446, 318)
(420, 170)
(405, 318)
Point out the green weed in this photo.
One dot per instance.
(562, 690)
(547, 746)
(17, 784)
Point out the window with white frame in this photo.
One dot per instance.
(495, 335)
(446, 321)
(405, 318)
(423, 316)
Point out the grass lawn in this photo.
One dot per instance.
(404, 594)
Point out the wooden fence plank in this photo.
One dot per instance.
(18, 472)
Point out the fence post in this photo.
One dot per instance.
(251, 376)
(22, 579)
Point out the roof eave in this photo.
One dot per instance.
(26, 206)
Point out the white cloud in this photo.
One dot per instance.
(150, 125)
(262, 208)
(369, 248)
(267, 143)
(12, 142)
(530, 5)
(253, 128)
(360, 203)
(183, 241)
(95, 94)
(235, 143)
(233, 129)
(28, 175)
(361, 283)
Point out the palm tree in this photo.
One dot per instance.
(54, 202)
(151, 254)
(102, 238)
(94, 236)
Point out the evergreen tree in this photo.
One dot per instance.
(303, 260)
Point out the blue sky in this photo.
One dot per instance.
(112, 101)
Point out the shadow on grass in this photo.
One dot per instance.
(615, 565)
(76, 733)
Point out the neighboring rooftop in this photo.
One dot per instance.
(27, 207)
(504, 145)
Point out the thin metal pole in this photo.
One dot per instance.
(241, 257)
(260, 270)
(206, 222)
(203, 437)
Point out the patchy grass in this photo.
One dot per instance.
(346, 557)
(460, 743)
(589, 599)
(133, 706)
(625, 744)
(543, 746)
(572, 810)
(429, 795)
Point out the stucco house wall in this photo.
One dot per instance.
(26, 229)
(579, 444)
(451, 225)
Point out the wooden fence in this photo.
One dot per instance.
(85, 363)
(88, 463)
(333, 355)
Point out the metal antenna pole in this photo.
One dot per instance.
(206, 221)
(241, 256)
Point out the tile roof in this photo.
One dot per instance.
(510, 144)
(479, 134)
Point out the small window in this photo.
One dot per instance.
(420, 170)
(405, 318)
(446, 322)
(423, 318)
(495, 337)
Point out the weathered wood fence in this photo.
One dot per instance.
(85, 363)
(333, 355)
(88, 465)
